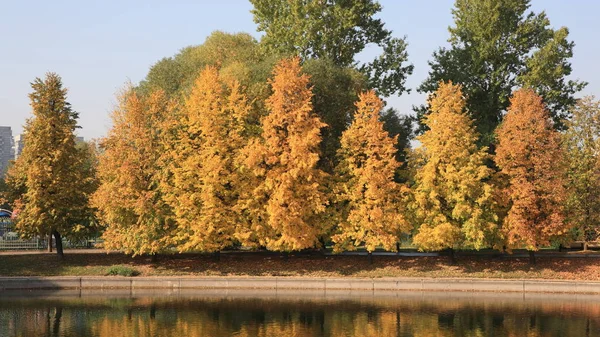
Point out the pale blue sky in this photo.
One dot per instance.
(97, 46)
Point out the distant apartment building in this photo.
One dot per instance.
(19, 143)
(6, 148)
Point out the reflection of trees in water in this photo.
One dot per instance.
(212, 316)
(56, 321)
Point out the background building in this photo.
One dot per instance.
(19, 143)
(6, 148)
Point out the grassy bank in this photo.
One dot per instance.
(99, 264)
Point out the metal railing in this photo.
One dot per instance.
(10, 239)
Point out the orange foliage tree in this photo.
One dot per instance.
(129, 199)
(285, 159)
(453, 200)
(372, 200)
(529, 156)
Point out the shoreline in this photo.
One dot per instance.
(386, 284)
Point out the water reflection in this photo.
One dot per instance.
(269, 313)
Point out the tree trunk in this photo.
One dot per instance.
(48, 320)
(587, 328)
(398, 247)
(49, 243)
(59, 246)
(370, 258)
(321, 243)
(532, 257)
(56, 324)
(286, 256)
(217, 256)
(585, 246)
(323, 248)
(154, 257)
(451, 257)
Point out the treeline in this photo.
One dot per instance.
(239, 142)
(192, 176)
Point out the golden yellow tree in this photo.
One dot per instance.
(285, 159)
(50, 184)
(130, 201)
(453, 202)
(530, 157)
(205, 180)
(241, 132)
(373, 202)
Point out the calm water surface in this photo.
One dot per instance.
(270, 313)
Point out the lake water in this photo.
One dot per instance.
(295, 313)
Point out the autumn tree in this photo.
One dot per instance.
(88, 226)
(335, 30)
(130, 201)
(529, 156)
(13, 187)
(205, 176)
(238, 57)
(373, 202)
(453, 201)
(50, 183)
(497, 46)
(582, 150)
(285, 159)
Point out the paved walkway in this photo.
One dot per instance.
(288, 283)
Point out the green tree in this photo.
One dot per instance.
(335, 91)
(495, 47)
(373, 202)
(453, 200)
(236, 54)
(52, 180)
(582, 149)
(401, 128)
(336, 30)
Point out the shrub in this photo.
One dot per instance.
(122, 271)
